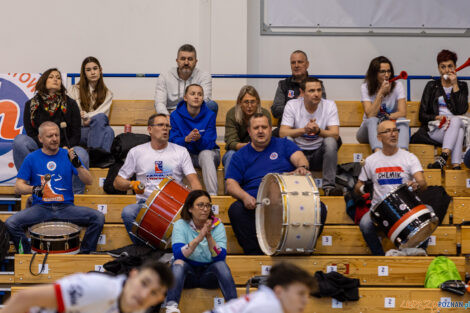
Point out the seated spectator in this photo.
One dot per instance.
(265, 154)
(287, 290)
(382, 101)
(51, 103)
(442, 100)
(94, 100)
(199, 248)
(151, 162)
(289, 88)
(52, 199)
(171, 85)
(395, 163)
(313, 122)
(236, 121)
(193, 127)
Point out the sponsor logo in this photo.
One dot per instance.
(273, 156)
(389, 175)
(290, 94)
(75, 293)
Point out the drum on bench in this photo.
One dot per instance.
(288, 215)
(55, 237)
(154, 222)
(404, 218)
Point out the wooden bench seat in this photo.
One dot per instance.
(394, 271)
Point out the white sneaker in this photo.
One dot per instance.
(172, 308)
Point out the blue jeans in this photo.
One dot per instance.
(128, 215)
(209, 276)
(24, 145)
(369, 233)
(99, 134)
(226, 159)
(82, 216)
(367, 133)
(213, 106)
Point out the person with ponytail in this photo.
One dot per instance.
(94, 100)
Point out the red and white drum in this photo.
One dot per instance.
(154, 223)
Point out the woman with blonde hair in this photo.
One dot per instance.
(236, 121)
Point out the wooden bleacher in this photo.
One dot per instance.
(348, 252)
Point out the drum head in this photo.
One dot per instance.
(54, 229)
(269, 214)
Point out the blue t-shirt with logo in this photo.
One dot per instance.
(59, 188)
(248, 166)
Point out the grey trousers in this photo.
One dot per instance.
(208, 161)
(325, 159)
(451, 138)
(367, 133)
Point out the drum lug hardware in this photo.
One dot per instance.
(307, 193)
(398, 240)
(288, 250)
(294, 193)
(307, 224)
(295, 224)
(285, 224)
(301, 250)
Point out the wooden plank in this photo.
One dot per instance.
(226, 105)
(425, 153)
(455, 182)
(134, 112)
(460, 207)
(59, 266)
(465, 240)
(99, 175)
(7, 190)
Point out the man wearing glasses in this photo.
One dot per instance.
(151, 162)
(387, 168)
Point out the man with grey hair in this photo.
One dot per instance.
(171, 85)
(47, 174)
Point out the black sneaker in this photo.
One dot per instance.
(439, 163)
(333, 191)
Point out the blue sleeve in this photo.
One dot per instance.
(175, 133)
(176, 247)
(208, 138)
(221, 257)
(25, 169)
(236, 168)
(290, 147)
(178, 239)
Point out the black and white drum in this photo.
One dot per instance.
(55, 237)
(404, 218)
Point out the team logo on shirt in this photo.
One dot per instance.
(160, 172)
(51, 166)
(273, 156)
(75, 292)
(389, 175)
(158, 166)
(290, 94)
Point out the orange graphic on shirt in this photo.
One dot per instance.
(49, 195)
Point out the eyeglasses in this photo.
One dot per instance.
(203, 205)
(248, 102)
(390, 130)
(161, 125)
(385, 71)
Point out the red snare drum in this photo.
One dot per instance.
(154, 223)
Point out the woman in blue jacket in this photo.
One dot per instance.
(193, 127)
(199, 249)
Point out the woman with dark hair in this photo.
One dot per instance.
(382, 100)
(51, 103)
(442, 100)
(94, 100)
(236, 121)
(199, 249)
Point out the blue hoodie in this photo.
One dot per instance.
(182, 124)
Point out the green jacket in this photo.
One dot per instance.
(235, 132)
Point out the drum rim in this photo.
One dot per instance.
(32, 228)
(434, 219)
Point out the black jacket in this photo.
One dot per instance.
(429, 107)
(71, 117)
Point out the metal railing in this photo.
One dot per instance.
(73, 76)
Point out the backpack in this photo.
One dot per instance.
(4, 241)
(441, 270)
(125, 142)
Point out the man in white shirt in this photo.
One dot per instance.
(313, 122)
(287, 291)
(171, 85)
(97, 292)
(387, 168)
(151, 162)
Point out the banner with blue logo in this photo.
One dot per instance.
(15, 90)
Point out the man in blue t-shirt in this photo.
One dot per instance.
(265, 154)
(53, 197)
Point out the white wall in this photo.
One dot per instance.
(143, 36)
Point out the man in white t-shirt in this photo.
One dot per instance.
(97, 292)
(287, 290)
(151, 162)
(387, 168)
(313, 122)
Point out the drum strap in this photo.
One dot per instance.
(43, 261)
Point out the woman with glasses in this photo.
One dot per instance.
(199, 246)
(442, 100)
(381, 101)
(193, 127)
(236, 121)
(94, 100)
